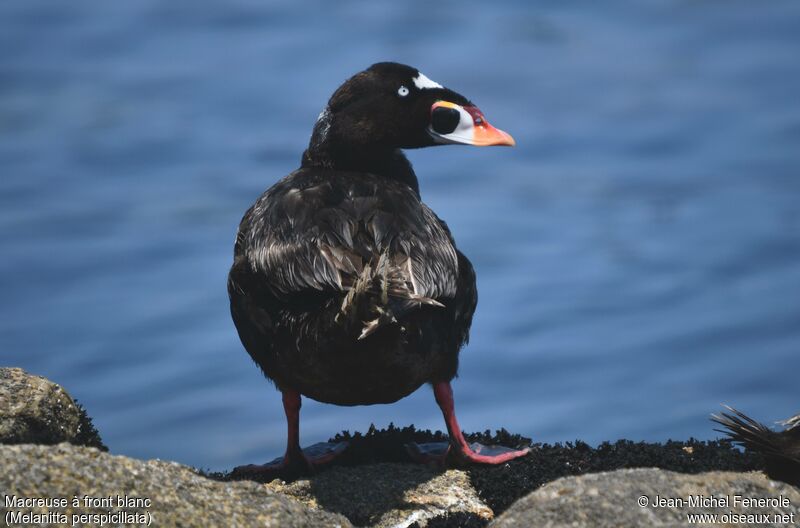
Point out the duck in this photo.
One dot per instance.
(345, 287)
(780, 449)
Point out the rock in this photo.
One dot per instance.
(611, 499)
(37, 411)
(501, 486)
(178, 496)
(370, 486)
(400, 495)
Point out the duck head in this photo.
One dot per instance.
(391, 106)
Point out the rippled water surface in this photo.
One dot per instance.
(637, 254)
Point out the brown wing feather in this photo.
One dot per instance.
(375, 247)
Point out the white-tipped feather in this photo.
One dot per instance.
(791, 423)
(385, 284)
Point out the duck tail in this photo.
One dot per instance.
(381, 294)
(744, 430)
(791, 423)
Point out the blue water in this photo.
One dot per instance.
(637, 253)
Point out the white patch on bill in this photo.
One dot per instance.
(464, 133)
(422, 82)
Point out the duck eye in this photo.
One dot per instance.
(402, 91)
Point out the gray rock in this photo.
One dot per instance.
(178, 496)
(383, 495)
(611, 499)
(38, 411)
(34, 410)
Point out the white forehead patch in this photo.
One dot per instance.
(422, 82)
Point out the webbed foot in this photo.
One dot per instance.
(295, 463)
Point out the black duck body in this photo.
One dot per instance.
(327, 256)
(345, 287)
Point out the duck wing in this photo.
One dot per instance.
(368, 248)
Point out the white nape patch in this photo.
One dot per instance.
(324, 114)
(323, 124)
(422, 82)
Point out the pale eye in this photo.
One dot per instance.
(402, 91)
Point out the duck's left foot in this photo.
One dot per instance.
(295, 463)
(438, 453)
